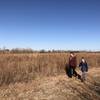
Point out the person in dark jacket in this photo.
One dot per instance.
(72, 65)
(84, 68)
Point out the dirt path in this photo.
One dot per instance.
(55, 88)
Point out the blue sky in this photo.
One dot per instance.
(50, 24)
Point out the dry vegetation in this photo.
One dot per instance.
(24, 67)
(55, 88)
(41, 76)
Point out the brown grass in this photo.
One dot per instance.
(24, 67)
(55, 88)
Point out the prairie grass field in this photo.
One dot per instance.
(29, 66)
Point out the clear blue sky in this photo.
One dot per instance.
(50, 24)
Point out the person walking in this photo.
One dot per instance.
(84, 68)
(72, 65)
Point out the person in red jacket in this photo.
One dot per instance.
(72, 65)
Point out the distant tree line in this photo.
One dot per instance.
(29, 50)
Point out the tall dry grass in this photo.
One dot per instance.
(25, 67)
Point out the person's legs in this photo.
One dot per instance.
(74, 72)
(70, 72)
(83, 76)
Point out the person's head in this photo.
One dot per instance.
(71, 54)
(82, 59)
